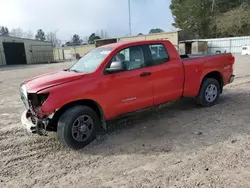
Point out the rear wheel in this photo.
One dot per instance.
(77, 127)
(209, 92)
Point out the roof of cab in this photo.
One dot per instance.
(119, 44)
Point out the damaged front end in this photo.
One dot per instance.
(33, 118)
(33, 124)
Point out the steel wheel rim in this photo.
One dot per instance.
(82, 128)
(211, 93)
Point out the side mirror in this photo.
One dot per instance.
(115, 66)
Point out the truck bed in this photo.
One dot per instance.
(197, 66)
(196, 56)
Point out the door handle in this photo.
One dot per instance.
(145, 74)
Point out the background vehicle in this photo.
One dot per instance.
(116, 79)
(245, 50)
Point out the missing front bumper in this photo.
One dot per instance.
(33, 124)
(27, 123)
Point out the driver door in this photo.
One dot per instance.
(130, 89)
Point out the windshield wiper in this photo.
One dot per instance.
(73, 70)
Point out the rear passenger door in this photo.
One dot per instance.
(167, 75)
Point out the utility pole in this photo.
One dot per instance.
(129, 12)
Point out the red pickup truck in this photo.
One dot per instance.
(117, 79)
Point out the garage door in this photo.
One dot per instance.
(14, 53)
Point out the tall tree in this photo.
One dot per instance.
(200, 18)
(76, 40)
(222, 6)
(4, 31)
(157, 30)
(235, 22)
(17, 32)
(93, 37)
(40, 35)
(52, 37)
(192, 17)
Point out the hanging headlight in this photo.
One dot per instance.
(24, 95)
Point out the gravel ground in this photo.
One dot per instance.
(177, 145)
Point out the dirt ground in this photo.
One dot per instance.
(178, 145)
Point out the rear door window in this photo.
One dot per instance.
(159, 54)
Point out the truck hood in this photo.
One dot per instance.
(51, 79)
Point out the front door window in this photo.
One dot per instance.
(132, 58)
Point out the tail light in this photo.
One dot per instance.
(231, 59)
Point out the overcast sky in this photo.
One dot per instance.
(84, 17)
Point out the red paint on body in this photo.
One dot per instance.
(168, 81)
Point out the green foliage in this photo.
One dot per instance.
(203, 18)
(235, 22)
(4, 31)
(40, 35)
(157, 30)
(76, 40)
(192, 17)
(92, 38)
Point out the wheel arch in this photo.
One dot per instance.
(86, 102)
(217, 76)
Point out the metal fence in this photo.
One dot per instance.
(230, 45)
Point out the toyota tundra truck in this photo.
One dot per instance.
(118, 79)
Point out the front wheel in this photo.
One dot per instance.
(77, 127)
(209, 92)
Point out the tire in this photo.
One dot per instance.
(77, 127)
(209, 85)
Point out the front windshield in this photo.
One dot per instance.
(91, 61)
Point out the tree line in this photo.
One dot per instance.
(211, 18)
(40, 35)
(76, 39)
(194, 19)
(52, 36)
(152, 31)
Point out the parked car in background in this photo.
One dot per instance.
(117, 79)
(245, 50)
